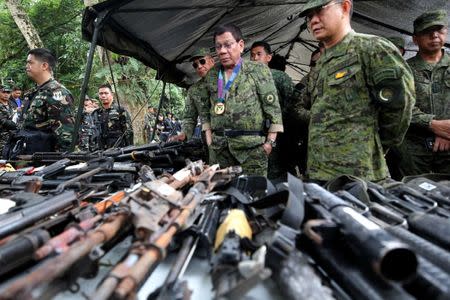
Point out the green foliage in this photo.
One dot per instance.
(136, 84)
(59, 25)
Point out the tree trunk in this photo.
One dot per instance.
(24, 23)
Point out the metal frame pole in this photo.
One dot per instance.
(159, 109)
(97, 25)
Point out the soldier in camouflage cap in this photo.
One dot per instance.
(278, 165)
(361, 94)
(202, 62)
(241, 96)
(426, 147)
(47, 118)
(6, 116)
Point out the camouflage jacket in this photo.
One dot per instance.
(115, 123)
(89, 133)
(251, 100)
(6, 123)
(48, 108)
(192, 109)
(361, 94)
(285, 88)
(432, 83)
(299, 111)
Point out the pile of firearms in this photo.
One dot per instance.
(360, 241)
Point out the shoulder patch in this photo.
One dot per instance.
(57, 95)
(386, 74)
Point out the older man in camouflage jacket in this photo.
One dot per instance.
(241, 97)
(361, 94)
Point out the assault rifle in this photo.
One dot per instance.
(335, 232)
(199, 239)
(37, 242)
(423, 215)
(434, 263)
(168, 153)
(154, 237)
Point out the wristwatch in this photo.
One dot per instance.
(271, 142)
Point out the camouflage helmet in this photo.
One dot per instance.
(429, 19)
(311, 4)
(200, 52)
(5, 88)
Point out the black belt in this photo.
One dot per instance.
(236, 133)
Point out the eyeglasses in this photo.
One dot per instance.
(319, 10)
(6, 92)
(201, 61)
(227, 46)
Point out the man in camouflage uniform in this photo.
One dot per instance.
(6, 116)
(361, 94)
(149, 122)
(89, 133)
(114, 122)
(278, 161)
(202, 62)
(241, 96)
(47, 122)
(426, 147)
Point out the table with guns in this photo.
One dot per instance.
(63, 212)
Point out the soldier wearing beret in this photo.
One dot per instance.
(426, 147)
(361, 95)
(6, 116)
(241, 98)
(202, 62)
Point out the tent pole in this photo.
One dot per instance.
(161, 98)
(108, 57)
(87, 74)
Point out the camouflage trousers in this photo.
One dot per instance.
(415, 159)
(255, 162)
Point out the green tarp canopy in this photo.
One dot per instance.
(162, 34)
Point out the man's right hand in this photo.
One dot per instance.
(441, 144)
(441, 128)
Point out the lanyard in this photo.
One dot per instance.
(221, 92)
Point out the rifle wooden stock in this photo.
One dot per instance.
(154, 254)
(136, 267)
(61, 242)
(23, 287)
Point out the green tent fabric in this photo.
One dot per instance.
(162, 34)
